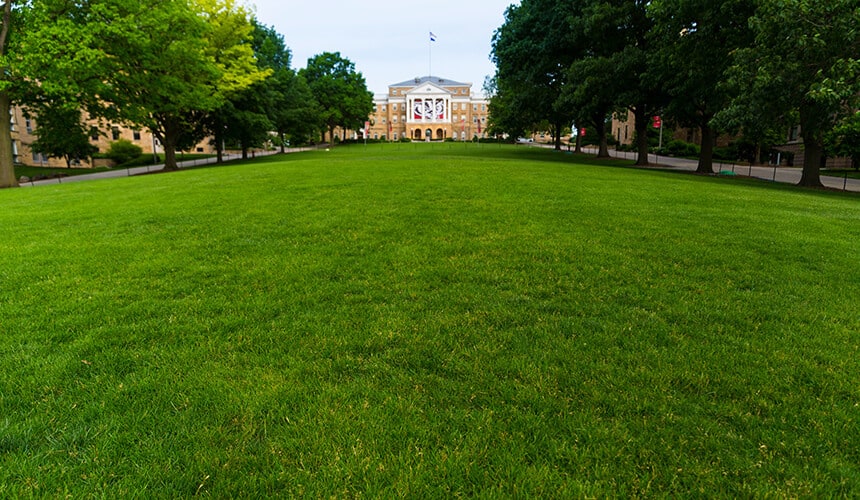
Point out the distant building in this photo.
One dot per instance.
(429, 108)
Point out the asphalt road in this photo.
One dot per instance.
(789, 175)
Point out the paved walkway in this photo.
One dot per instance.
(790, 175)
(128, 172)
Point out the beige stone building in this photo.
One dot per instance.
(429, 108)
(23, 134)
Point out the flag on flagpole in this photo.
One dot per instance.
(432, 37)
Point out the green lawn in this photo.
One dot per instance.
(429, 321)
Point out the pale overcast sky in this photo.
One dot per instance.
(389, 41)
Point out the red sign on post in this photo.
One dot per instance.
(658, 122)
(582, 132)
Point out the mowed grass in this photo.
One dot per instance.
(429, 321)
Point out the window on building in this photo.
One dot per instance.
(94, 135)
(474, 107)
(114, 133)
(384, 107)
(794, 133)
(394, 107)
(136, 135)
(394, 119)
(29, 125)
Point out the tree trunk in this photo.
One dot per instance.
(168, 142)
(706, 154)
(7, 156)
(219, 145)
(641, 127)
(283, 145)
(813, 145)
(557, 138)
(170, 130)
(578, 148)
(811, 176)
(602, 146)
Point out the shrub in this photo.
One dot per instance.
(123, 151)
(680, 148)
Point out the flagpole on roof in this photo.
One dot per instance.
(430, 55)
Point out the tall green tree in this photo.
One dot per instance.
(693, 44)
(804, 67)
(295, 113)
(44, 57)
(594, 85)
(245, 118)
(168, 62)
(624, 26)
(340, 91)
(532, 51)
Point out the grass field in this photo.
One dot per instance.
(429, 322)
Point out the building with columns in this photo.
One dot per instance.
(429, 108)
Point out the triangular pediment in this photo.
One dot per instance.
(428, 89)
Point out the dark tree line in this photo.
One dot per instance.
(747, 67)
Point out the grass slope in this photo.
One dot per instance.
(428, 321)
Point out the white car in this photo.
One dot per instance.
(525, 140)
